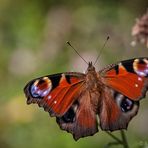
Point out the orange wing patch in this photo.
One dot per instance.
(127, 83)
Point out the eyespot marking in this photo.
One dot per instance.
(141, 67)
(41, 87)
(126, 105)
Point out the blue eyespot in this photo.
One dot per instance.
(40, 90)
(34, 91)
(141, 67)
(126, 105)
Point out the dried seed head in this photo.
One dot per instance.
(140, 30)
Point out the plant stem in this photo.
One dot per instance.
(114, 137)
(123, 142)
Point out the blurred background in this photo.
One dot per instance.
(33, 35)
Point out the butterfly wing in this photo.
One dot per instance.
(116, 110)
(125, 84)
(55, 93)
(128, 77)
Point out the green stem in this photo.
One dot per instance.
(123, 142)
(114, 137)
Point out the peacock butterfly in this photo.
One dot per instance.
(76, 99)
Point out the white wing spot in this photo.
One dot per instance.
(136, 85)
(139, 79)
(49, 97)
(55, 102)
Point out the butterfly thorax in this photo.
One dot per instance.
(92, 78)
(94, 86)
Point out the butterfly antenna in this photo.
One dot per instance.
(76, 52)
(101, 49)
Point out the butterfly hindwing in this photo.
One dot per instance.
(80, 119)
(55, 93)
(116, 110)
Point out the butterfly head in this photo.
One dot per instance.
(90, 67)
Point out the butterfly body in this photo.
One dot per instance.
(77, 99)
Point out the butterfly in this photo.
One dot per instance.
(77, 100)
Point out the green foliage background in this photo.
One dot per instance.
(33, 37)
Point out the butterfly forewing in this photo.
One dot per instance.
(55, 93)
(129, 77)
